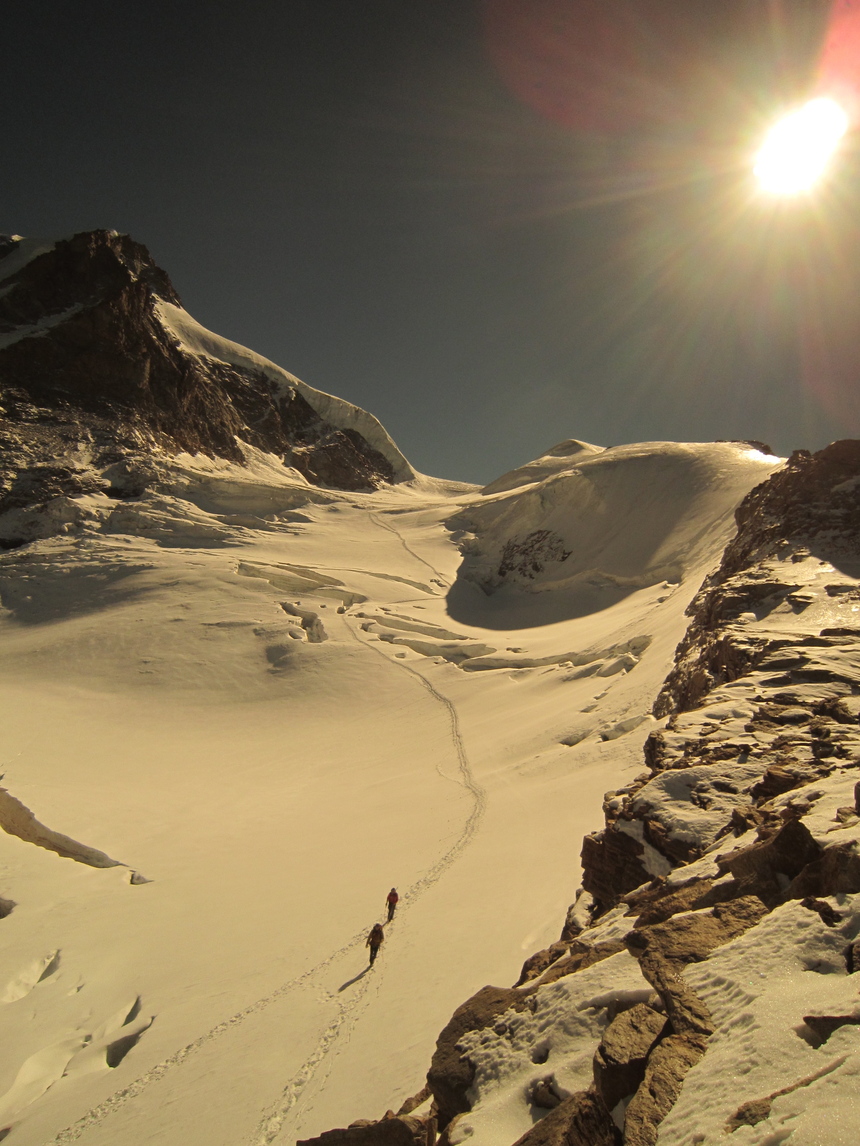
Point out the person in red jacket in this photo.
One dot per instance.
(391, 900)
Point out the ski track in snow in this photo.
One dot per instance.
(377, 520)
(120, 1097)
(348, 1012)
(336, 1034)
(272, 1122)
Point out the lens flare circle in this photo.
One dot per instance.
(796, 150)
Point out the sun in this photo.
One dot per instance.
(796, 150)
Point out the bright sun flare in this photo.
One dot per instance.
(797, 149)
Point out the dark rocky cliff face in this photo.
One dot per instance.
(87, 369)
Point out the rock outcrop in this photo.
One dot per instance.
(451, 1074)
(764, 695)
(99, 365)
(393, 1130)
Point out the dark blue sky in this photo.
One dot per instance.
(350, 188)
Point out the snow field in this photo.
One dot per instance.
(181, 692)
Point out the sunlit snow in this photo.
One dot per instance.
(254, 696)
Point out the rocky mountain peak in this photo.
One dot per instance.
(90, 267)
(97, 358)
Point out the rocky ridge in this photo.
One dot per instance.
(97, 376)
(716, 931)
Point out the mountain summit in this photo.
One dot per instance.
(99, 363)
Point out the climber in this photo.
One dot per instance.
(391, 899)
(374, 941)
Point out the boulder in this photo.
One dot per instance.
(664, 1076)
(450, 1074)
(619, 1063)
(580, 1120)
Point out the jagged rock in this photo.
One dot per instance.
(656, 904)
(581, 955)
(836, 870)
(668, 1065)
(393, 1131)
(829, 917)
(759, 867)
(823, 1026)
(581, 1120)
(776, 780)
(450, 1074)
(852, 957)
(619, 1063)
(664, 949)
(536, 964)
(744, 818)
(612, 865)
(809, 506)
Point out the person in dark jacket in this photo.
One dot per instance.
(391, 900)
(374, 941)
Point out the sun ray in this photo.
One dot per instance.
(799, 147)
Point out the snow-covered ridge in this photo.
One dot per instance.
(23, 252)
(606, 522)
(560, 457)
(197, 340)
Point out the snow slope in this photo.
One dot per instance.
(255, 697)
